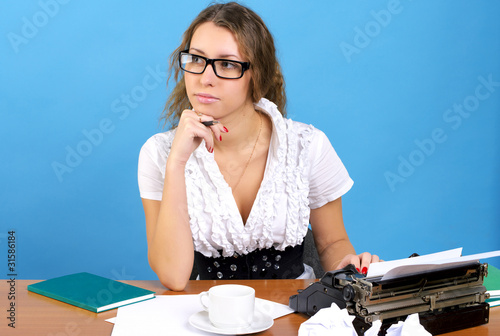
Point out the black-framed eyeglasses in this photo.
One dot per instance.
(223, 68)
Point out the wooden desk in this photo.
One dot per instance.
(38, 315)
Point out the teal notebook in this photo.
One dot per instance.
(492, 284)
(90, 291)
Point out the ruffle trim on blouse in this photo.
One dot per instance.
(286, 178)
(214, 217)
(297, 187)
(215, 221)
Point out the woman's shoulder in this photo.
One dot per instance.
(301, 127)
(157, 147)
(286, 126)
(158, 140)
(304, 133)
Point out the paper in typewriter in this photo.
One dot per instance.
(402, 267)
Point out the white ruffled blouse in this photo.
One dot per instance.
(303, 172)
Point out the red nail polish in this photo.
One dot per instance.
(220, 137)
(225, 129)
(357, 269)
(365, 270)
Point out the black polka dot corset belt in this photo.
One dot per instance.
(259, 264)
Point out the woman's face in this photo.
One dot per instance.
(209, 94)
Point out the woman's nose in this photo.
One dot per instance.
(208, 76)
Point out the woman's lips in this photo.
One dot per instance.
(206, 98)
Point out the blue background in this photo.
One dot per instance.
(383, 79)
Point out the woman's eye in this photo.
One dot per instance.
(196, 59)
(229, 65)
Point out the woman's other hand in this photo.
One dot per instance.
(361, 261)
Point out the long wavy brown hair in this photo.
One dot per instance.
(255, 43)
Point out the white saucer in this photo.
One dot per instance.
(260, 323)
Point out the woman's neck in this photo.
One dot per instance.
(243, 127)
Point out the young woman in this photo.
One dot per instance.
(235, 184)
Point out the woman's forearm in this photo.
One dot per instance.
(332, 255)
(170, 249)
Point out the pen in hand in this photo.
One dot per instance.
(210, 122)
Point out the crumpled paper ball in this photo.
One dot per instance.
(338, 322)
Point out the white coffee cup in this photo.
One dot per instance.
(229, 306)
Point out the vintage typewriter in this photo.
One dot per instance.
(449, 298)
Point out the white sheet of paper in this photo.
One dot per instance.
(472, 257)
(401, 267)
(169, 315)
(437, 264)
(379, 269)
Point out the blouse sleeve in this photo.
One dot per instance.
(149, 173)
(329, 178)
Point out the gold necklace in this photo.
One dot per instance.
(251, 154)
